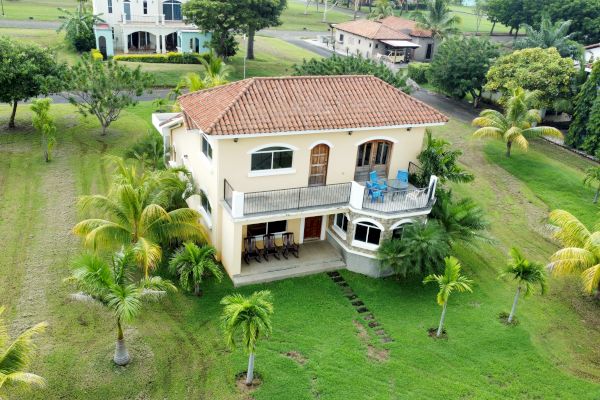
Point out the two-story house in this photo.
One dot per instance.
(294, 154)
(145, 26)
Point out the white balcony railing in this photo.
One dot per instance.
(143, 19)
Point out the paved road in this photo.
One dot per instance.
(28, 24)
(453, 108)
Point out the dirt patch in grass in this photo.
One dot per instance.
(373, 352)
(296, 356)
(433, 331)
(503, 317)
(240, 382)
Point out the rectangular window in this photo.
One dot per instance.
(341, 37)
(268, 227)
(145, 7)
(110, 6)
(429, 51)
(376, 45)
(382, 153)
(206, 148)
(341, 222)
(367, 232)
(205, 203)
(271, 158)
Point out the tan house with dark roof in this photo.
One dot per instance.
(388, 36)
(272, 156)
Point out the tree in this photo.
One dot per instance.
(463, 220)
(542, 70)
(516, 124)
(438, 19)
(551, 35)
(134, 213)
(44, 123)
(252, 316)
(337, 65)
(459, 76)
(512, 13)
(260, 14)
(224, 44)
(420, 252)
(581, 252)
(192, 263)
(16, 357)
(592, 175)
(481, 8)
(114, 287)
(439, 160)
(216, 73)
(381, 9)
(451, 281)
(149, 151)
(585, 15)
(79, 28)
(527, 274)
(104, 89)
(584, 132)
(26, 71)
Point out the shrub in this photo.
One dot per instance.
(96, 55)
(169, 58)
(418, 72)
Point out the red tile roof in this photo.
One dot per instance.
(405, 25)
(303, 103)
(371, 30)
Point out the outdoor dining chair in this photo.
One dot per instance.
(270, 247)
(250, 250)
(289, 245)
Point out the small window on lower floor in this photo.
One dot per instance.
(367, 232)
(266, 227)
(341, 221)
(205, 203)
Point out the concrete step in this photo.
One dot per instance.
(287, 272)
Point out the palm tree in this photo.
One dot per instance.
(449, 282)
(438, 19)
(551, 35)
(252, 316)
(216, 71)
(581, 252)
(114, 287)
(420, 252)
(16, 357)
(381, 9)
(135, 213)
(516, 124)
(463, 220)
(526, 273)
(192, 263)
(592, 175)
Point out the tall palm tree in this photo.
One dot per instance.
(381, 9)
(463, 220)
(252, 317)
(134, 213)
(581, 252)
(451, 281)
(16, 357)
(516, 124)
(192, 262)
(551, 35)
(592, 175)
(114, 287)
(216, 71)
(438, 19)
(526, 273)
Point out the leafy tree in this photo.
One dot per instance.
(512, 13)
(581, 252)
(585, 15)
(542, 70)
(451, 281)
(260, 14)
(337, 65)
(134, 213)
(381, 9)
(516, 124)
(458, 76)
(104, 89)
(216, 73)
(420, 252)
(584, 132)
(44, 123)
(592, 175)
(26, 71)
(252, 317)
(551, 35)
(526, 273)
(224, 44)
(114, 287)
(79, 28)
(463, 220)
(192, 263)
(438, 159)
(149, 151)
(16, 357)
(438, 19)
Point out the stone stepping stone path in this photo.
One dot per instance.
(359, 306)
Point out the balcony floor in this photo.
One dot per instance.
(315, 257)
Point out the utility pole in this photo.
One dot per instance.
(246, 55)
(2, 4)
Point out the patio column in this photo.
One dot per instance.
(163, 44)
(125, 42)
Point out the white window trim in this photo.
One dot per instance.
(205, 216)
(402, 222)
(315, 144)
(266, 146)
(366, 245)
(269, 172)
(372, 221)
(363, 245)
(372, 138)
(339, 231)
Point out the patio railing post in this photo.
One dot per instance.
(237, 204)
(357, 194)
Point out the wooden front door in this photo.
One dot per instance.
(372, 156)
(319, 158)
(312, 228)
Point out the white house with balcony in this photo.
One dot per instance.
(145, 26)
(297, 175)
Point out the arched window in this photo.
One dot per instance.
(172, 10)
(367, 232)
(269, 158)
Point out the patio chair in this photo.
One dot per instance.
(402, 175)
(373, 177)
(250, 250)
(377, 195)
(289, 246)
(270, 247)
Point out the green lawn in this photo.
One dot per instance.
(469, 21)
(176, 346)
(45, 38)
(45, 10)
(294, 19)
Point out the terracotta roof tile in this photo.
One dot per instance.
(371, 30)
(304, 103)
(405, 26)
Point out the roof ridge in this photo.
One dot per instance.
(248, 84)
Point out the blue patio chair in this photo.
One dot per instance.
(373, 176)
(402, 175)
(377, 195)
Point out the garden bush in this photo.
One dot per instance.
(169, 58)
(418, 72)
(96, 55)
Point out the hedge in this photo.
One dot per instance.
(418, 72)
(169, 58)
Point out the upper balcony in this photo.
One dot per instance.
(159, 19)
